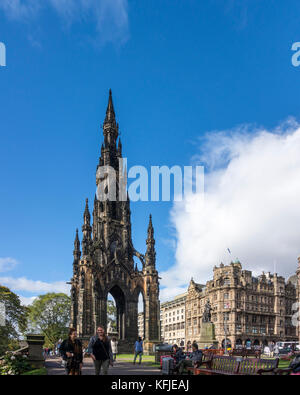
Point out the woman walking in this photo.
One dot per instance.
(100, 351)
(71, 351)
(114, 347)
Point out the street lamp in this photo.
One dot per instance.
(225, 333)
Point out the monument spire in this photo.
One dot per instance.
(110, 111)
(76, 243)
(86, 229)
(76, 254)
(110, 128)
(87, 215)
(150, 256)
(107, 254)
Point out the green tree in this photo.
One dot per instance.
(15, 320)
(50, 315)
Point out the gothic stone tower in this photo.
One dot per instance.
(106, 265)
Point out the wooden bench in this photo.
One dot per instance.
(252, 366)
(218, 365)
(227, 365)
(206, 358)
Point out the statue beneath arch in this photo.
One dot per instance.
(105, 262)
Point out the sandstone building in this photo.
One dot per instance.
(173, 320)
(105, 262)
(246, 310)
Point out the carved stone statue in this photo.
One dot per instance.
(109, 327)
(207, 312)
(73, 294)
(82, 279)
(96, 287)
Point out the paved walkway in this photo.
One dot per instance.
(54, 368)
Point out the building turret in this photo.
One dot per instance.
(119, 148)
(86, 229)
(76, 254)
(150, 256)
(110, 126)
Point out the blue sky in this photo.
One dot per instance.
(177, 69)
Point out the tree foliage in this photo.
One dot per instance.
(50, 315)
(15, 320)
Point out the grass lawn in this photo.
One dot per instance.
(129, 358)
(147, 360)
(283, 364)
(36, 372)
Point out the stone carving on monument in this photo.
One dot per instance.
(111, 331)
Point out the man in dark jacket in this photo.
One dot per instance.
(194, 359)
(178, 355)
(100, 351)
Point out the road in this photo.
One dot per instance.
(53, 366)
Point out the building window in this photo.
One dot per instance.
(226, 316)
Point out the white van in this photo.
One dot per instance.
(288, 345)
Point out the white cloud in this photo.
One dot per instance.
(251, 205)
(110, 17)
(19, 9)
(26, 301)
(23, 284)
(169, 293)
(7, 264)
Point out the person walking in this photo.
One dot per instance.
(276, 350)
(267, 351)
(71, 352)
(100, 351)
(138, 350)
(114, 347)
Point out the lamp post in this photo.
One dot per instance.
(225, 318)
(225, 333)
